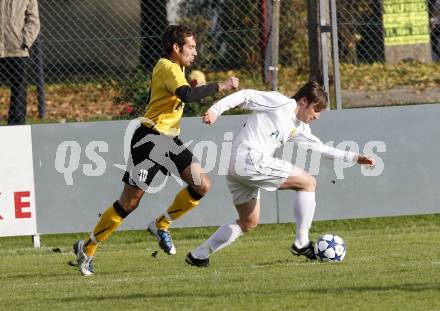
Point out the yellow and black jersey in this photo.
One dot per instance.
(165, 108)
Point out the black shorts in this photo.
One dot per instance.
(151, 152)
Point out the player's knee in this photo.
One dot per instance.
(310, 184)
(129, 205)
(248, 224)
(204, 186)
(198, 191)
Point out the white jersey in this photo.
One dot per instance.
(274, 124)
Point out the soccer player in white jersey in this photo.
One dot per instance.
(253, 167)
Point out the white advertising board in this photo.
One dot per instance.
(17, 193)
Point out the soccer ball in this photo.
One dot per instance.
(330, 247)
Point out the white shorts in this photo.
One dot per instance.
(250, 171)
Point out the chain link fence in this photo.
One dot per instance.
(92, 58)
(389, 52)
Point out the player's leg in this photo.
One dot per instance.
(304, 208)
(109, 221)
(274, 174)
(188, 198)
(249, 214)
(17, 107)
(138, 176)
(113, 216)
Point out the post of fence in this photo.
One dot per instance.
(335, 54)
(313, 35)
(324, 29)
(39, 70)
(275, 42)
(36, 240)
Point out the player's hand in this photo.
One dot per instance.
(363, 159)
(209, 117)
(232, 83)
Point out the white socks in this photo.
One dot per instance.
(224, 236)
(304, 207)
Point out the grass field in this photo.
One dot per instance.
(391, 264)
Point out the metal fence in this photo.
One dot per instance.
(389, 52)
(93, 58)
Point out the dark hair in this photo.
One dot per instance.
(314, 92)
(174, 34)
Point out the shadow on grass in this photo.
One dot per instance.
(340, 291)
(87, 298)
(415, 287)
(284, 262)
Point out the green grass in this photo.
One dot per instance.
(391, 264)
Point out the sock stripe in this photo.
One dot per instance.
(119, 209)
(182, 204)
(102, 231)
(93, 238)
(196, 196)
(167, 216)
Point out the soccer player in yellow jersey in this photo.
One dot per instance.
(155, 147)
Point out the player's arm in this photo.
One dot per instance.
(246, 99)
(308, 141)
(31, 25)
(190, 94)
